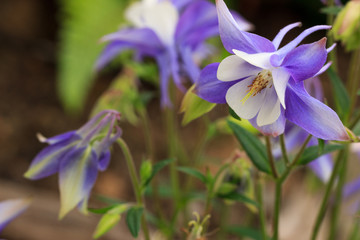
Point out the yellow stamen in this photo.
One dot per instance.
(260, 82)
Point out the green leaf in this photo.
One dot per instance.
(342, 99)
(101, 210)
(156, 168)
(133, 220)
(194, 106)
(312, 153)
(233, 114)
(321, 144)
(193, 172)
(106, 223)
(244, 232)
(252, 146)
(145, 171)
(83, 24)
(238, 197)
(334, 10)
(110, 219)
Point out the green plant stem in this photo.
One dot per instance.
(271, 157)
(338, 196)
(325, 201)
(148, 135)
(259, 195)
(330, 37)
(354, 235)
(353, 79)
(283, 149)
(135, 182)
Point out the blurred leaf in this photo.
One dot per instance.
(244, 232)
(193, 106)
(341, 96)
(101, 210)
(193, 172)
(145, 171)
(156, 168)
(321, 144)
(238, 197)
(334, 10)
(312, 153)
(252, 146)
(233, 114)
(133, 220)
(83, 23)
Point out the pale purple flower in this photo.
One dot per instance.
(337, 2)
(264, 83)
(172, 32)
(77, 156)
(10, 209)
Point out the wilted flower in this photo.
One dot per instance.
(264, 84)
(347, 25)
(11, 209)
(172, 32)
(77, 156)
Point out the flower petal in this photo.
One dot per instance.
(234, 38)
(270, 109)
(47, 161)
(291, 45)
(104, 160)
(237, 93)
(260, 60)
(274, 129)
(144, 40)
(59, 138)
(77, 175)
(10, 209)
(164, 71)
(351, 188)
(235, 68)
(322, 167)
(312, 115)
(306, 60)
(279, 37)
(280, 80)
(211, 89)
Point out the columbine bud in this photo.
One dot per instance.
(347, 25)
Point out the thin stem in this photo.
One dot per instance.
(330, 37)
(324, 204)
(338, 196)
(353, 79)
(283, 149)
(277, 204)
(271, 157)
(259, 195)
(147, 134)
(135, 182)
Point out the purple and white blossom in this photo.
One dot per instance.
(172, 32)
(264, 83)
(77, 156)
(10, 209)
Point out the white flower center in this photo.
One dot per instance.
(260, 82)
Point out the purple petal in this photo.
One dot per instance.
(312, 115)
(279, 37)
(189, 66)
(179, 4)
(165, 71)
(291, 45)
(104, 160)
(197, 23)
(351, 188)
(306, 60)
(59, 138)
(322, 167)
(211, 89)
(11, 209)
(143, 40)
(233, 38)
(77, 175)
(274, 129)
(47, 161)
(314, 88)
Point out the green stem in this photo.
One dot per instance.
(353, 79)
(283, 149)
(355, 231)
(325, 201)
(338, 196)
(259, 196)
(330, 37)
(135, 182)
(271, 157)
(277, 204)
(147, 134)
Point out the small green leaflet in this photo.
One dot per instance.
(312, 153)
(133, 220)
(193, 172)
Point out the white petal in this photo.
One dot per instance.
(236, 94)
(270, 110)
(261, 60)
(234, 68)
(134, 14)
(280, 80)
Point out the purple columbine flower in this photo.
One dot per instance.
(172, 32)
(11, 209)
(264, 83)
(77, 156)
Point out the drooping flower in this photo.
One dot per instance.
(11, 209)
(77, 156)
(264, 83)
(172, 32)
